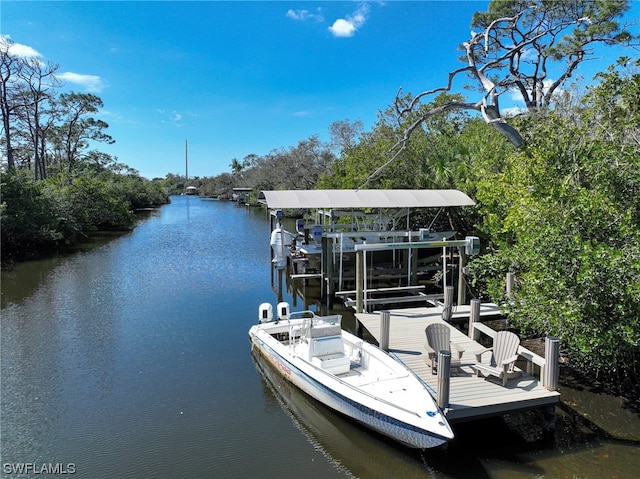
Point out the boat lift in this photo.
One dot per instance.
(471, 245)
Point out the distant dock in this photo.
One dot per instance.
(470, 397)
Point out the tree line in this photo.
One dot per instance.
(56, 190)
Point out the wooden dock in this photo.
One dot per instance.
(470, 397)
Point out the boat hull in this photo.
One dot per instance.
(427, 429)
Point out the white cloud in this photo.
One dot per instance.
(347, 27)
(18, 49)
(92, 83)
(342, 28)
(170, 118)
(305, 15)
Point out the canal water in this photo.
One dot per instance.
(131, 359)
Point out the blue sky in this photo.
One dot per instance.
(235, 78)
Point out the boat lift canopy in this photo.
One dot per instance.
(359, 199)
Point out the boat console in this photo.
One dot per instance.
(326, 347)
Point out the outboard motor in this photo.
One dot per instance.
(265, 314)
(283, 310)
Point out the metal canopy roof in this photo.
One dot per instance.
(358, 199)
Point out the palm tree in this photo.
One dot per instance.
(236, 166)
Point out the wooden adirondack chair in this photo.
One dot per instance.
(504, 354)
(439, 339)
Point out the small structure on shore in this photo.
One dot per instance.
(241, 195)
(191, 190)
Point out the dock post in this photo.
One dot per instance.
(359, 281)
(385, 324)
(462, 290)
(328, 247)
(474, 315)
(414, 266)
(444, 378)
(448, 303)
(551, 366)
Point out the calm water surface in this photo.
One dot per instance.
(132, 360)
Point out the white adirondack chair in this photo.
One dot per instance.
(504, 354)
(439, 339)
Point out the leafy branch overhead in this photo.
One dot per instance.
(526, 47)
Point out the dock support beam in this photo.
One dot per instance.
(444, 378)
(414, 266)
(327, 266)
(385, 325)
(448, 303)
(462, 289)
(359, 281)
(474, 315)
(551, 366)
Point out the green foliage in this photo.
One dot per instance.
(564, 215)
(436, 157)
(25, 214)
(137, 192)
(38, 216)
(97, 205)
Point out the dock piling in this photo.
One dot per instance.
(448, 303)
(385, 324)
(359, 281)
(444, 378)
(462, 263)
(551, 366)
(474, 315)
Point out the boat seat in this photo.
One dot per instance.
(328, 353)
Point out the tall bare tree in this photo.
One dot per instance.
(9, 69)
(35, 107)
(76, 128)
(528, 46)
(344, 134)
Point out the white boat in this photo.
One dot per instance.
(349, 375)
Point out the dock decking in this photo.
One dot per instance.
(470, 397)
